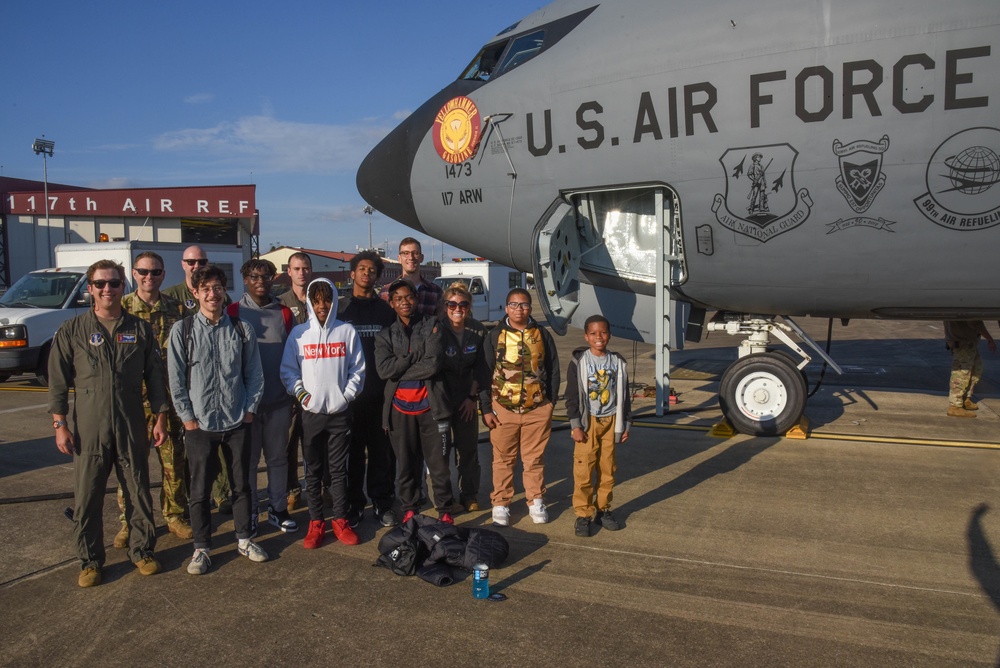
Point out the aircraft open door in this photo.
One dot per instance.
(556, 260)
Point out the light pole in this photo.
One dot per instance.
(46, 147)
(369, 210)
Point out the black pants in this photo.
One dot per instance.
(202, 448)
(416, 440)
(326, 440)
(465, 439)
(370, 453)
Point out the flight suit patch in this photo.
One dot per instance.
(96, 339)
(126, 338)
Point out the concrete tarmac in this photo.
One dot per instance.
(872, 543)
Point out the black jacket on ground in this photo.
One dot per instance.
(430, 549)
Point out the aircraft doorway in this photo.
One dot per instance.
(608, 240)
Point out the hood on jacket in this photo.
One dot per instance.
(330, 319)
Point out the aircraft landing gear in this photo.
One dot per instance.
(764, 392)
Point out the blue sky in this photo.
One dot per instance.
(289, 96)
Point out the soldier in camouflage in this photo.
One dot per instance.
(962, 339)
(161, 312)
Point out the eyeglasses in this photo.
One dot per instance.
(253, 278)
(147, 272)
(518, 305)
(456, 305)
(115, 283)
(215, 289)
(201, 263)
(409, 253)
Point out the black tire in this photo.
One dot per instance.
(763, 394)
(42, 370)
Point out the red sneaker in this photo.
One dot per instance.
(408, 516)
(314, 538)
(344, 533)
(447, 518)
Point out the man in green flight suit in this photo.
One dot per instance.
(107, 355)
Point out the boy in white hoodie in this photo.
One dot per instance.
(323, 367)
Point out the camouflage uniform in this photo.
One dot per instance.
(181, 293)
(173, 493)
(962, 337)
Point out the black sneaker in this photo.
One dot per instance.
(608, 520)
(582, 527)
(354, 516)
(386, 517)
(282, 520)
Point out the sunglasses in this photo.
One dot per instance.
(147, 272)
(200, 263)
(253, 278)
(456, 305)
(100, 283)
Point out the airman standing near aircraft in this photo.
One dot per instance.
(107, 355)
(962, 339)
(518, 386)
(194, 258)
(161, 312)
(300, 274)
(428, 294)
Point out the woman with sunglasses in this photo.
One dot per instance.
(463, 347)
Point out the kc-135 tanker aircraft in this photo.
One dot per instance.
(655, 161)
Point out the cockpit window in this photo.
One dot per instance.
(503, 56)
(522, 49)
(483, 65)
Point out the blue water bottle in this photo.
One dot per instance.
(480, 581)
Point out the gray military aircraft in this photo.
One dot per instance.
(655, 160)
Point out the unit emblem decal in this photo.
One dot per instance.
(963, 181)
(457, 130)
(861, 176)
(761, 201)
(96, 339)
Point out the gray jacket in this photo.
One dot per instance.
(225, 372)
(271, 328)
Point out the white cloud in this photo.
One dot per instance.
(269, 145)
(199, 98)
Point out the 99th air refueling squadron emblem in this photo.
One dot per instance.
(457, 130)
(963, 181)
(761, 201)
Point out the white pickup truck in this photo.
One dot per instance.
(487, 282)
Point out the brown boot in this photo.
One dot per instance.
(958, 411)
(294, 499)
(121, 538)
(971, 405)
(180, 528)
(89, 577)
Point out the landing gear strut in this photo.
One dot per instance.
(764, 392)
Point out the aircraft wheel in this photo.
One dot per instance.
(763, 394)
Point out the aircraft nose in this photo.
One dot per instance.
(384, 176)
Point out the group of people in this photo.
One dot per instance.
(375, 388)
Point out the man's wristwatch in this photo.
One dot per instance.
(58, 423)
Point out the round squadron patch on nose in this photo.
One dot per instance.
(457, 130)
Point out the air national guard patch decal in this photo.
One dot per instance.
(457, 130)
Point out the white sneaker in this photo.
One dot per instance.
(253, 551)
(501, 516)
(200, 562)
(537, 511)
